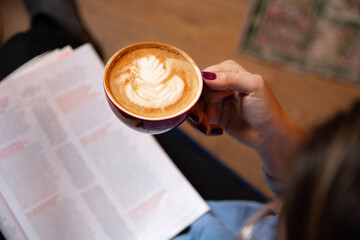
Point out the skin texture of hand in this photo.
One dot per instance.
(241, 104)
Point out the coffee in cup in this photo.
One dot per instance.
(151, 85)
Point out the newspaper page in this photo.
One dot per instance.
(9, 226)
(69, 169)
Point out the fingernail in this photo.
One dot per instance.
(194, 118)
(217, 131)
(202, 128)
(228, 98)
(208, 75)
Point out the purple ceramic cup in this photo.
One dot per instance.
(149, 124)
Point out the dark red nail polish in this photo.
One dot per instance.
(202, 128)
(228, 98)
(208, 75)
(194, 118)
(217, 131)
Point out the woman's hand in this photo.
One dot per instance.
(241, 104)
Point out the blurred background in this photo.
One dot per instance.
(212, 31)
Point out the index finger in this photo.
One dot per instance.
(243, 82)
(225, 66)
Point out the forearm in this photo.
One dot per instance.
(277, 152)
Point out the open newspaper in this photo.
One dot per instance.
(69, 169)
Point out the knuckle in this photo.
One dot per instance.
(226, 77)
(258, 78)
(229, 61)
(258, 81)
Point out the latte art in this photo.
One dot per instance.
(152, 86)
(153, 82)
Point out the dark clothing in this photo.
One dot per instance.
(45, 34)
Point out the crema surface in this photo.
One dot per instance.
(153, 82)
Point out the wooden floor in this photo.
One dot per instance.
(210, 31)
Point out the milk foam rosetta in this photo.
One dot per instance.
(153, 82)
(152, 86)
